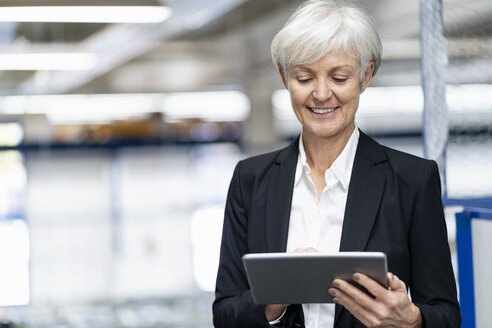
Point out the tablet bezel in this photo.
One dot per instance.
(309, 275)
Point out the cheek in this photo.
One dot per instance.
(298, 96)
(349, 96)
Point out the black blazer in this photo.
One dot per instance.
(393, 206)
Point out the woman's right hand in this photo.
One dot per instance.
(274, 311)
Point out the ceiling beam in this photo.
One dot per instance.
(121, 43)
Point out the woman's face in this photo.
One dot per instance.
(325, 94)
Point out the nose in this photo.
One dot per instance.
(322, 91)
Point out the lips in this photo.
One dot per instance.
(322, 110)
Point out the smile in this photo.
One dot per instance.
(322, 110)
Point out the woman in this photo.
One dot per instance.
(336, 189)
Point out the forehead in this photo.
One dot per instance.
(332, 61)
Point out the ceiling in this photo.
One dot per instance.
(225, 45)
(207, 44)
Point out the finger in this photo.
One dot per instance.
(371, 285)
(343, 298)
(395, 283)
(353, 306)
(390, 277)
(354, 293)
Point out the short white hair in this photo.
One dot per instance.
(318, 27)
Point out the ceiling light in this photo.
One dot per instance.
(218, 106)
(81, 109)
(47, 61)
(86, 14)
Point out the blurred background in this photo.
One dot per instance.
(120, 128)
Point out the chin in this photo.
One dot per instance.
(323, 134)
(328, 133)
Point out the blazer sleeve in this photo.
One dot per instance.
(432, 283)
(234, 305)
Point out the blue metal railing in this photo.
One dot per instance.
(465, 257)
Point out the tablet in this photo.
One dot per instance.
(296, 278)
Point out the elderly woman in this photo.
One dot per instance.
(336, 189)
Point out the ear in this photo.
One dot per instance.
(283, 76)
(367, 76)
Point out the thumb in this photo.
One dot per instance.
(395, 283)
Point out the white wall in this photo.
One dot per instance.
(482, 271)
(117, 225)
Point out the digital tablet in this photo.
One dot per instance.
(296, 278)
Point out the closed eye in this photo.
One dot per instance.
(339, 80)
(304, 80)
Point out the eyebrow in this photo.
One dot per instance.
(336, 68)
(301, 68)
(333, 69)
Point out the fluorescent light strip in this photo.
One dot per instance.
(86, 14)
(208, 106)
(47, 61)
(102, 108)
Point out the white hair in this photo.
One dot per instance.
(318, 27)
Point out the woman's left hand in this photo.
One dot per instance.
(389, 307)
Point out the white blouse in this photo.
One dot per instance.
(319, 224)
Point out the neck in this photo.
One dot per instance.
(322, 152)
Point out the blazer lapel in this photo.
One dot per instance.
(364, 197)
(279, 198)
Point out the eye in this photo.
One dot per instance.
(339, 79)
(304, 80)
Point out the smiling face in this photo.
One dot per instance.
(325, 94)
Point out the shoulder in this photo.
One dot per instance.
(256, 167)
(395, 162)
(404, 161)
(253, 175)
